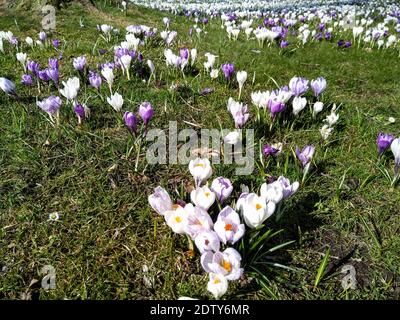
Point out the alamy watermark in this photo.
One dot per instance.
(49, 19)
(188, 144)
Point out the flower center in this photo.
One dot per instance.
(258, 206)
(216, 281)
(199, 165)
(226, 265)
(178, 219)
(207, 194)
(228, 227)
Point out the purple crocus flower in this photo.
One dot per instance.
(340, 43)
(56, 43)
(383, 142)
(130, 120)
(27, 80)
(222, 187)
(80, 112)
(146, 112)
(184, 53)
(288, 189)
(53, 63)
(33, 67)
(42, 36)
(275, 106)
(347, 44)
(228, 69)
(318, 86)
(14, 41)
(284, 44)
(305, 155)
(95, 80)
(51, 105)
(269, 150)
(53, 75)
(79, 63)
(328, 36)
(102, 51)
(140, 57)
(42, 75)
(298, 86)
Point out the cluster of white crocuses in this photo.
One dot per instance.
(216, 234)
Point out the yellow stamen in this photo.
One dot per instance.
(258, 206)
(178, 219)
(207, 194)
(199, 165)
(216, 281)
(226, 265)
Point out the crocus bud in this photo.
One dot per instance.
(228, 69)
(222, 187)
(383, 142)
(146, 112)
(318, 106)
(95, 80)
(7, 86)
(27, 80)
(395, 147)
(130, 120)
(200, 169)
(318, 86)
(160, 201)
(79, 63)
(305, 155)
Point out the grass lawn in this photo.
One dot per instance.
(110, 244)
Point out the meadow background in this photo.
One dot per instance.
(109, 244)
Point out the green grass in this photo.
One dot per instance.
(107, 232)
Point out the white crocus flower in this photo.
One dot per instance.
(272, 192)
(22, 58)
(108, 74)
(177, 219)
(325, 131)
(232, 137)
(29, 41)
(203, 197)
(255, 211)
(201, 170)
(217, 285)
(299, 104)
(241, 77)
(318, 106)
(126, 63)
(116, 101)
(214, 73)
(332, 118)
(193, 55)
(71, 88)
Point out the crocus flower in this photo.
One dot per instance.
(318, 86)
(288, 189)
(177, 219)
(305, 155)
(200, 169)
(241, 77)
(284, 44)
(232, 137)
(207, 241)
(325, 131)
(126, 63)
(79, 63)
(217, 285)
(275, 106)
(22, 57)
(80, 112)
(226, 263)
(33, 67)
(255, 210)
(27, 80)
(184, 53)
(272, 192)
(56, 43)
(383, 142)
(228, 69)
(53, 75)
(116, 101)
(146, 112)
(42, 36)
(228, 226)
(395, 147)
(202, 197)
(332, 118)
(239, 112)
(298, 86)
(130, 120)
(51, 105)
(160, 201)
(198, 220)
(269, 150)
(108, 74)
(299, 103)
(8, 86)
(71, 88)
(318, 106)
(222, 187)
(95, 80)
(53, 63)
